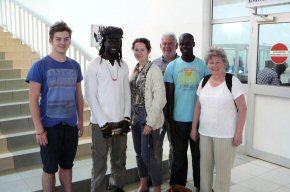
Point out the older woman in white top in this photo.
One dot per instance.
(220, 112)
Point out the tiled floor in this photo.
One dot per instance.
(248, 175)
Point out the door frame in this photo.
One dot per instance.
(254, 90)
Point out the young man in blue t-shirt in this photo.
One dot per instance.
(181, 78)
(58, 117)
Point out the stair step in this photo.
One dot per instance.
(5, 35)
(14, 109)
(7, 96)
(21, 63)
(16, 141)
(13, 84)
(15, 48)
(30, 156)
(30, 177)
(25, 139)
(16, 124)
(4, 41)
(6, 64)
(18, 55)
(13, 73)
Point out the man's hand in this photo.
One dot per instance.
(107, 130)
(194, 133)
(125, 126)
(81, 129)
(41, 138)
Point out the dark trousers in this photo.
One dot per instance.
(180, 163)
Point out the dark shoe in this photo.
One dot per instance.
(146, 190)
(119, 190)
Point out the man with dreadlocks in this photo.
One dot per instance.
(108, 95)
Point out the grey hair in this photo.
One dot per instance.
(169, 34)
(218, 52)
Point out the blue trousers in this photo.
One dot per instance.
(143, 154)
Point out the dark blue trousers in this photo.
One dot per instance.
(179, 166)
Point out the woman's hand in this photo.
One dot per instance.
(147, 130)
(194, 133)
(238, 139)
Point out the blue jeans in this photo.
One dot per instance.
(145, 152)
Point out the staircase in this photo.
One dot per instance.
(20, 163)
(18, 148)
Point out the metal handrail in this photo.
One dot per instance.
(32, 29)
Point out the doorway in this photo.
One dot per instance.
(268, 124)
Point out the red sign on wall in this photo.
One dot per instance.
(279, 53)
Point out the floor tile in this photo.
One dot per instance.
(283, 189)
(34, 182)
(276, 177)
(287, 186)
(13, 187)
(265, 164)
(81, 173)
(30, 173)
(284, 170)
(253, 169)
(9, 177)
(260, 185)
(237, 175)
(239, 188)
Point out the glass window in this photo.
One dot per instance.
(223, 9)
(234, 39)
(273, 54)
(274, 9)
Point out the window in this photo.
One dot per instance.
(234, 39)
(223, 9)
(274, 9)
(273, 70)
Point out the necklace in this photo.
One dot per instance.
(113, 77)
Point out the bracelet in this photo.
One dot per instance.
(40, 133)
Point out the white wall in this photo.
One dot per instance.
(271, 133)
(138, 18)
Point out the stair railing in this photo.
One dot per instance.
(32, 29)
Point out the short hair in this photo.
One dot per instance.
(142, 40)
(59, 26)
(218, 52)
(169, 34)
(280, 68)
(186, 35)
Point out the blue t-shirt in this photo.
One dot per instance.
(58, 103)
(186, 77)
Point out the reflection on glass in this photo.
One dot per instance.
(234, 39)
(270, 72)
(228, 9)
(274, 9)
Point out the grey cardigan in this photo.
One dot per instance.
(155, 98)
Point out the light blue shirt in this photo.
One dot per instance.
(185, 76)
